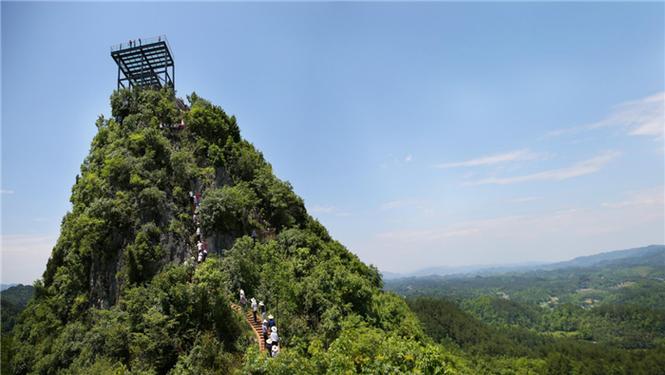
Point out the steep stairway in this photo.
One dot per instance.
(256, 326)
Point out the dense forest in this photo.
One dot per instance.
(12, 301)
(602, 318)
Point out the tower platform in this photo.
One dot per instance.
(144, 63)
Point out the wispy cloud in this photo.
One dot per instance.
(393, 161)
(512, 156)
(648, 197)
(6, 191)
(581, 168)
(427, 235)
(328, 210)
(643, 117)
(26, 243)
(524, 199)
(24, 257)
(402, 203)
(43, 219)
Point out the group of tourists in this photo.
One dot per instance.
(201, 244)
(268, 325)
(132, 43)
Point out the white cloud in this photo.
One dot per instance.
(581, 168)
(19, 243)
(524, 199)
(648, 197)
(43, 220)
(394, 161)
(322, 209)
(427, 235)
(5, 191)
(328, 210)
(517, 155)
(24, 257)
(402, 203)
(644, 117)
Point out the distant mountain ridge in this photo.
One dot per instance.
(6, 286)
(654, 253)
(607, 257)
(12, 301)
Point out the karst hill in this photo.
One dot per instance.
(126, 290)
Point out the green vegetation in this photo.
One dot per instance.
(12, 301)
(122, 293)
(606, 319)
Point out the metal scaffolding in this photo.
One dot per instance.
(144, 63)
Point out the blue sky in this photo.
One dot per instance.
(420, 134)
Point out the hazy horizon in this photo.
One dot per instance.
(427, 134)
(525, 263)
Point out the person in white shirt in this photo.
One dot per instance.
(255, 307)
(273, 335)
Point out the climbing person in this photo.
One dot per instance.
(273, 335)
(275, 350)
(243, 299)
(200, 257)
(199, 246)
(255, 307)
(269, 346)
(262, 308)
(271, 321)
(264, 329)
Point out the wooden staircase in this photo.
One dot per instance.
(256, 326)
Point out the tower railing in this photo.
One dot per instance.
(142, 42)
